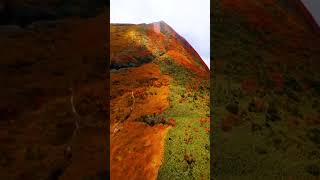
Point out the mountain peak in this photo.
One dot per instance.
(145, 42)
(162, 22)
(163, 27)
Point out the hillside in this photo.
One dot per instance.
(53, 96)
(159, 104)
(265, 90)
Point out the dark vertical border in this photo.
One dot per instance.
(107, 47)
(212, 3)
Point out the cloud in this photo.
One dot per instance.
(190, 18)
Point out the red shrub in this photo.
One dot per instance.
(171, 122)
(157, 84)
(249, 86)
(228, 122)
(278, 79)
(207, 130)
(259, 105)
(163, 121)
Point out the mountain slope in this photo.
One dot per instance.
(52, 83)
(265, 90)
(159, 104)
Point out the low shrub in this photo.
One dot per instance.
(152, 120)
(233, 108)
(313, 169)
(171, 122)
(272, 113)
(314, 135)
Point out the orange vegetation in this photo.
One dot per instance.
(144, 84)
(186, 62)
(136, 151)
(137, 148)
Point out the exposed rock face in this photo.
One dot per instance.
(265, 57)
(53, 97)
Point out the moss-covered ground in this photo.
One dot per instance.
(187, 153)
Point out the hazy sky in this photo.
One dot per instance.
(314, 8)
(189, 18)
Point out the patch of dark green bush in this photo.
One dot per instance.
(272, 114)
(233, 108)
(314, 135)
(313, 169)
(151, 120)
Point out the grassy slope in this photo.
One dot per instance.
(256, 144)
(189, 137)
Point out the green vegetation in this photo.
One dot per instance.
(187, 154)
(265, 133)
(180, 74)
(259, 145)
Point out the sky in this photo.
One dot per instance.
(189, 18)
(314, 8)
